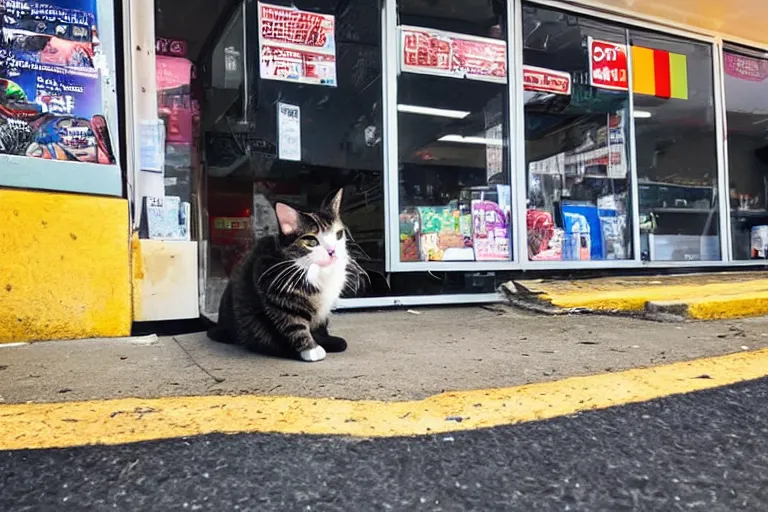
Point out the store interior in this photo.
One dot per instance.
(233, 161)
(746, 78)
(454, 193)
(578, 157)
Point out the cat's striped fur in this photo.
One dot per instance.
(279, 298)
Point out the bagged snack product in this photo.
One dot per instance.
(439, 231)
(409, 235)
(491, 231)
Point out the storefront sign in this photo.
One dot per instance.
(659, 73)
(170, 47)
(297, 46)
(746, 68)
(50, 93)
(608, 65)
(546, 80)
(434, 52)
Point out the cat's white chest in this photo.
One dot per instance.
(330, 281)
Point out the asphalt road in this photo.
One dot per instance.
(703, 451)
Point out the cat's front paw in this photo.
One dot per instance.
(313, 355)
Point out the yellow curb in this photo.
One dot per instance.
(110, 422)
(717, 308)
(705, 300)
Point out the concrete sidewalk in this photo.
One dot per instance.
(393, 355)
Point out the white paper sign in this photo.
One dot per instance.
(152, 145)
(167, 218)
(288, 132)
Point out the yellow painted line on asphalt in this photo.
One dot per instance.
(122, 421)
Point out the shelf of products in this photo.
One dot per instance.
(475, 227)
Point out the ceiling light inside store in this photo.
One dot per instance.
(429, 111)
(470, 140)
(641, 114)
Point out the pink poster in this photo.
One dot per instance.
(490, 231)
(174, 103)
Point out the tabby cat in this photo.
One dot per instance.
(279, 298)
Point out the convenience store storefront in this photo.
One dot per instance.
(474, 139)
(478, 139)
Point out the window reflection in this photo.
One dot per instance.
(746, 87)
(455, 199)
(576, 136)
(676, 148)
(340, 143)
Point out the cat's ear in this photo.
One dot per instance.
(287, 218)
(336, 202)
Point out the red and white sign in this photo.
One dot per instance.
(608, 65)
(435, 52)
(546, 80)
(297, 46)
(170, 47)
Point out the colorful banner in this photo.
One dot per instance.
(297, 46)
(608, 65)
(546, 80)
(50, 85)
(435, 52)
(659, 73)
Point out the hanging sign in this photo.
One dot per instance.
(608, 65)
(435, 52)
(297, 46)
(546, 80)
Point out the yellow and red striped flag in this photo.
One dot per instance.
(659, 73)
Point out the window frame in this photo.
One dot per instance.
(516, 151)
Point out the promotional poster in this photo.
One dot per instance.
(50, 85)
(297, 46)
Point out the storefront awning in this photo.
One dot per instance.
(739, 19)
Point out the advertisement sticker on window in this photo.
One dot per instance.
(546, 80)
(608, 65)
(297, 46)
(436, 52)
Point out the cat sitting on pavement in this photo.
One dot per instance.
(279, 298)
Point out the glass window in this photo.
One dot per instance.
(676, 148)
(250, 163)
(577, 179)
(746, 88)
(452, 99)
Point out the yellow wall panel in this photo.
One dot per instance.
(64, 266)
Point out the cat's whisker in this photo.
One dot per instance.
(293, 280)
(283, 275)
(274, 268)
(285, 283)
(360, 271)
